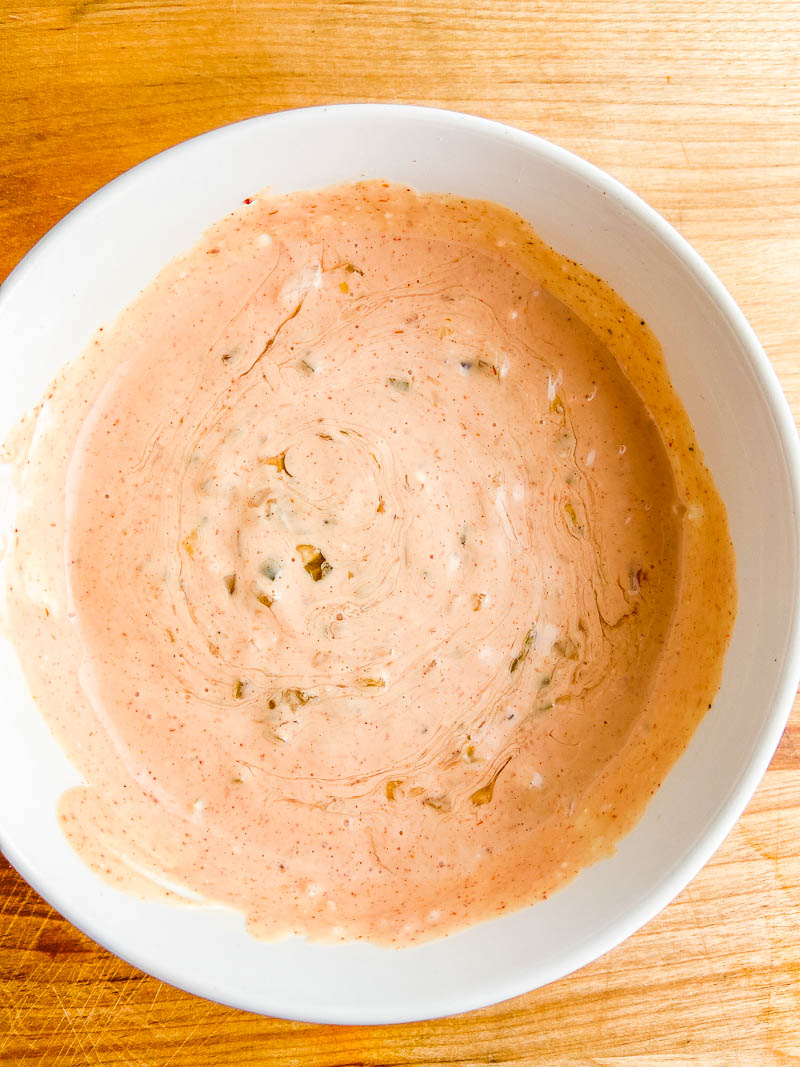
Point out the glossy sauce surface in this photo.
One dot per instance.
(357, 567)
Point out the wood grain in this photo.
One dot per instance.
(696, 106)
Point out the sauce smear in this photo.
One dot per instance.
(367, 569)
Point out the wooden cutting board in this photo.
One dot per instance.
(696, 106)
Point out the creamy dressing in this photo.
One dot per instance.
(367, 568)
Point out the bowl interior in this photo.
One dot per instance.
(98, 258)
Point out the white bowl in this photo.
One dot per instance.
(95, 261)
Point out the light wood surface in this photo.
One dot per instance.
(696, 106)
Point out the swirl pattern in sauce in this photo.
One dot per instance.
(372, 538)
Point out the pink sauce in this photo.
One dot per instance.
(357, 568)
